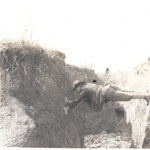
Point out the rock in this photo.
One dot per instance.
(107, 142)
(95, 145)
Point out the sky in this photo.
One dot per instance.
(92, 33)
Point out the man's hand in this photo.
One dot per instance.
(66, 109)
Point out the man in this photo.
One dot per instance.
(96, 95)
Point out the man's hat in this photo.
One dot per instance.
(76, 84)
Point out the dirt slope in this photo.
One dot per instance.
(33, 87)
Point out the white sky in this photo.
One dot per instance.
(97, 33)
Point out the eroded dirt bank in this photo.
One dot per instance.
(33, 86)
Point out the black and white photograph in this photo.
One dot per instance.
(75, 74)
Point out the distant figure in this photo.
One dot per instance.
(107, 70)
(97, 95)
(109, 77)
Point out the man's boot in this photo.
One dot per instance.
(66, 109)
(141, 96)
(147, 98)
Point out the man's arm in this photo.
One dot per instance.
(82, 96)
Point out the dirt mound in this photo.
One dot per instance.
(112, 118)
(33, 86)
